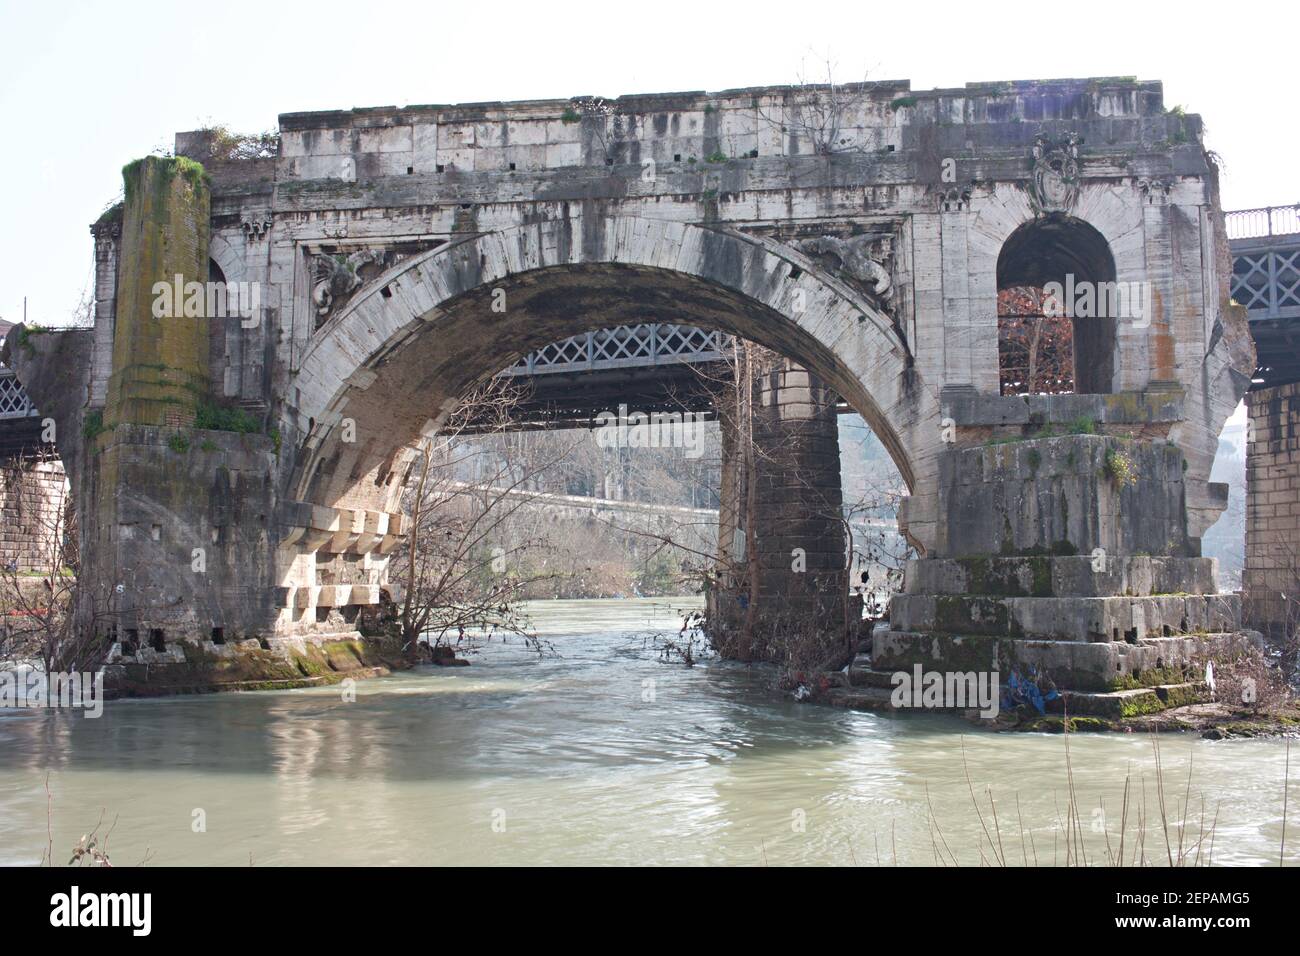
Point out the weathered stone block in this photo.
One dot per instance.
(1076, 665)
(1063, 496)
(1067, 618)
(1061, 576)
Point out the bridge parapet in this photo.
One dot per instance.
(680, 130)
(1262, 222)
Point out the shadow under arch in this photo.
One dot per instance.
(400, 357)
(1068, 250)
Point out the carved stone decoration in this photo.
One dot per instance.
(337, 276)
(1155, 190)
(256, 227)
(1055, 183)
(338, 273)
(956, 199)
(855, 256)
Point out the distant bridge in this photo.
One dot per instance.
(1265, 247)
(20, 421)
(582, 507)
(649, 367)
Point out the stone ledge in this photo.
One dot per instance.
(310, 527)
(1070, 665)
(1151, 407)
(1067, 618)
(1063, 576)
(1134, 702)
(876, 694)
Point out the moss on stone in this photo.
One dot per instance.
(1141, 704)
(169, 168)
(963, 612)
(225, 418)
(1042, 576)
(977, 575)
(1054, 724)
(113, 214)
(92, 426)
(257, 669)
(1151, 677)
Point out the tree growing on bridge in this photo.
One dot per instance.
(820, 112)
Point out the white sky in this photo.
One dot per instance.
(86, 87)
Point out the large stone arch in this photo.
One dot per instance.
(229, 259)
(395, 362)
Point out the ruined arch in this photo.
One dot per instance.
(396, 361)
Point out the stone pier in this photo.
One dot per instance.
(1065, 559)
(1271, 579)
(177, 541)
(792, 520)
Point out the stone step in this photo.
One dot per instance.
(860, 698)
(837, 678)
(869, 677)
(325, 637)
(881, 699)
(1130, 703)
(1067, 618)
(1064, 576)
(873, 690)
(1078, 665)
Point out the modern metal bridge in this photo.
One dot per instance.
(650, 367)
(1265, 246)
(20, 421)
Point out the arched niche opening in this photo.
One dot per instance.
(1056, 321)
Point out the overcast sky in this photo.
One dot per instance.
(86, 87)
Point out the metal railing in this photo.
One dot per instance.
(14, 402)
(624, 346)
(1263, 222)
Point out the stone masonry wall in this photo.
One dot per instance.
(33, 498)
(1273, 509)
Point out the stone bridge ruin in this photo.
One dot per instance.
(239, 478)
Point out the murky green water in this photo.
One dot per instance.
(602, 754)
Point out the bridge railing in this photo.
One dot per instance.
(14, 402)
(1263, 222)
(1265, 247)
(625, 346)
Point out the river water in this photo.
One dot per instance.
(602, 753)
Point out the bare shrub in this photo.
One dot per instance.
(1249, 682)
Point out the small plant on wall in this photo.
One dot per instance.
(1119, 468)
